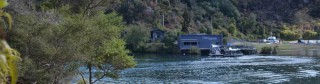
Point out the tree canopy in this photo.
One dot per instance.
(56, 47)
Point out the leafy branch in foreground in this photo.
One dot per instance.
(8, 56)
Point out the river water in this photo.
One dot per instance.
(221, 70)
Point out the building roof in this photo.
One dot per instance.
(157, 30)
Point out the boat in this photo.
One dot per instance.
(232, 52)
(217, 50)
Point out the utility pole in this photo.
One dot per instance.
(264, 32)
(211, 21)
(162, 19)
(271, 28)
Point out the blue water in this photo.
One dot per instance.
(221, 70)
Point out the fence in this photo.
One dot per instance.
(311, 41)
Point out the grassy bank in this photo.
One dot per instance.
(289, 49)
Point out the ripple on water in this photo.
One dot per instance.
(252, 69)
(308, 73)
(269, 77)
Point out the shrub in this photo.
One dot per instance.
(275, 49)
(269, 50)
(194, 50)
(137, 36)
(169, 40)
(266, 50)
(154, 47)
(309, 35)
(289, 34)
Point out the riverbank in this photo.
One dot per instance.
(285, 49)
(291, 49)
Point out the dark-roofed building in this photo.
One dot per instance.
(156, 34)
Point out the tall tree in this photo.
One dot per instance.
(186, 21)
(107, 53)
(137, 36)
(55, 51)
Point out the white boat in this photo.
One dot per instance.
(215, 51)
(228, 52)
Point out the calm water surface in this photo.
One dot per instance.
(220, 70)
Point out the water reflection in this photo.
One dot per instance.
(301, 52)
(244, 69)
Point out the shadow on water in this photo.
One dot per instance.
(154, 68)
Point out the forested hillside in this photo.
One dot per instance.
(246, 19)
(241, 19)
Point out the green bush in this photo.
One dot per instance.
(194, 50)
(169, 40)
(137, 36)
(289, 35)
(154, 48)
(266, 50)
(269, 50)
(275, 49)
(309, 34)
(203, 30)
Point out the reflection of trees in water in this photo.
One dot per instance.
(244, 69)
(310, 52)
(306, 51)
(315, 53)
(300, 52)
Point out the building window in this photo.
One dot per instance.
(186, 43)
(190, 43)
(194, 43)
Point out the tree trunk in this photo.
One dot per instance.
(90, 73)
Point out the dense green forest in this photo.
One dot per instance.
(240, 19)
(56, 37)
(244, 19)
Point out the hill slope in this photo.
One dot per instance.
(247, 19)
(248, 16)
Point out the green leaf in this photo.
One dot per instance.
(12, 59)
(3, 3)
(8, 16)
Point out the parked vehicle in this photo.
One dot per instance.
(262, 40)
(272, 39)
